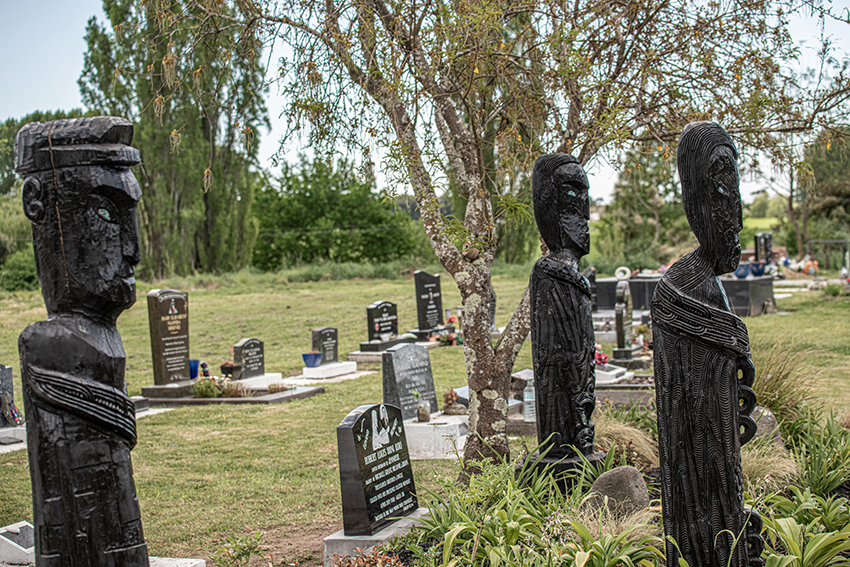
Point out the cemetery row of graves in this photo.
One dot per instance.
(206, 474)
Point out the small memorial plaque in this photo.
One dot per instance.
(325, 342)
(250, 354)
(407, 368)
(429, 301)
(375, 475)
(168, 315)
(382, 319)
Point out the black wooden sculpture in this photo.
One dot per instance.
(80, 197)
(562, 339)
(701, 348)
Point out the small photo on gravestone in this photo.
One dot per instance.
(376, 477)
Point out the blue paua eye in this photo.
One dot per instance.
(104, 213)
(571, 193)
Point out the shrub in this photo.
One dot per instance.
(613, 432)
(205, 388)
(784, 378)
(766, 468)
(19, 272)
(232, 389)
(833, 290)
(276, 387)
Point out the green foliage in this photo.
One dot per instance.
(833, 290)
(237, 551)
(15, 228)
(822, 451)
(194, 130)
(18, 273)
(323, 213)
(205, 388)
(515, 514)
(804, 507)
(830, 164)
(804, 546)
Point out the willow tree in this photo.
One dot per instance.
(469, 92)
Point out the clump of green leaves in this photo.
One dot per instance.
(238, 550)
(822, 451)
(205, 388)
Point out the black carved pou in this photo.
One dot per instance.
(80, 196)
(562, 339)
(700, 349)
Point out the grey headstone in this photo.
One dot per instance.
(325, 341)
(768, 426)
(168, 315)
(407, 367)
(429, 300)
(251, 355)
(6, 387)
(376, 478)
(623, 315)
(625, 489)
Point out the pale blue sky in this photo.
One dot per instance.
(42, 46)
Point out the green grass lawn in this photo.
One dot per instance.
(206, 473)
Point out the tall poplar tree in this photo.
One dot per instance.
(196, 103)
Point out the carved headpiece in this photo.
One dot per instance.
(102, 140)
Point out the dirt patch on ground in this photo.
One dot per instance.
(294, 545)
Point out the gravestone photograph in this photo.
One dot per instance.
(376, 477)
(325, 341)
(249, 353)
(80, 197)
(407, 368)
(168, 316)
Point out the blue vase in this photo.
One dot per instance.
(743, 270)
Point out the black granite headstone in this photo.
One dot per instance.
(764, 247)
(325, 342)
(376, 478)
(429, 300)
(407, 368)
(382, 319)
(250, 354)
(168, 314)
(623, 317)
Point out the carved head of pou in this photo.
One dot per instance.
(561, 203)
(708, 169)
(80, 196)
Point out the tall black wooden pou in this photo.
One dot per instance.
(700, 346)
(80, 196)
(562, 338)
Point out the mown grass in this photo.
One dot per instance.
(206, 473)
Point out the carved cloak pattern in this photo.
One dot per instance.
(562, 347)
(702, 408)
(79, 435)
